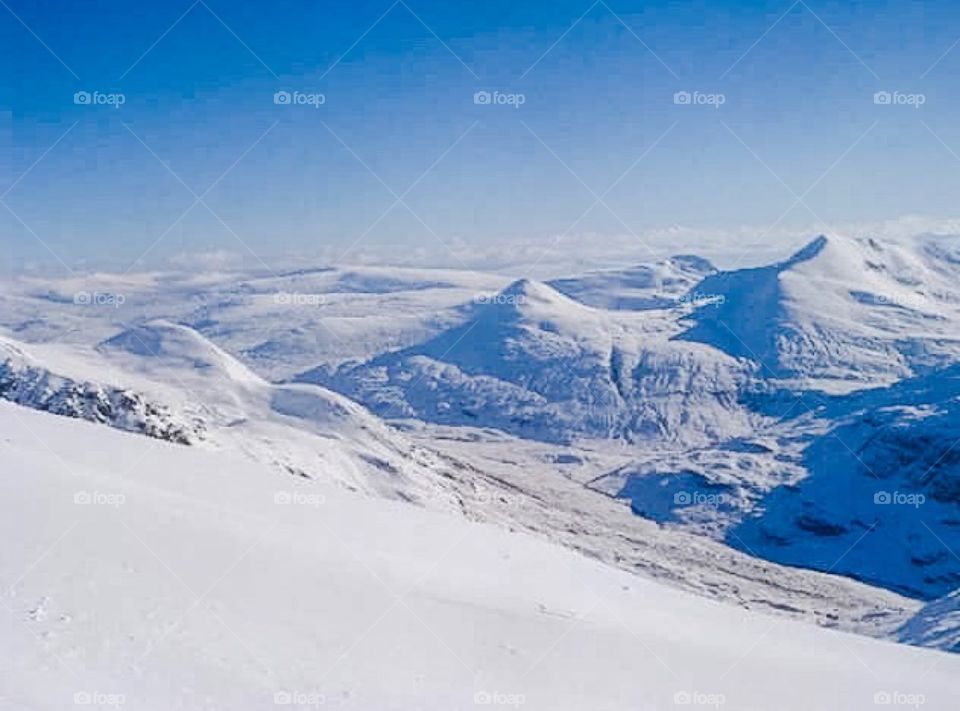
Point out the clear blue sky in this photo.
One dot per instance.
(598, 81)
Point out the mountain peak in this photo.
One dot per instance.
(527, 287)
(162, 343)
(692, 262)
(809, 251)
(524, 293)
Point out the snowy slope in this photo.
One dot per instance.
(152, 377)
(936, 625)
(278, 322)
(306, 431)
(763, 408)
(882, 471)
(535, 363)
(644, 286)
(26, 378)
(160, 577)
(841, 313)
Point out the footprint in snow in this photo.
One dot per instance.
(39, 613)
(565, 614)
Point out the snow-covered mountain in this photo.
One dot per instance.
(27, 381)
(668, 353)
(167, 381)
(644, 286)
(533, 362)
(700, 426)
(747, 401)
(884, 474)
(840, 314)
(314, 434)
(936, 625)
(156, 577)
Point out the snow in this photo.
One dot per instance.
(186, 582)
(882, 471)
(535, 363)
(705, 428)
(838, 315)
(936, 625)
(313, 433)
(168, 381)
(637, 288)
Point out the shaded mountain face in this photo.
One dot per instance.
(167, 381)
(27, 381)
(682, 365)
(880, 498)
(840, 314)
(293, 585)
(535, 363)
(766, 408)
(653, 286)
(937, 625)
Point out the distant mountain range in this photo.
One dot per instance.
(805, 413)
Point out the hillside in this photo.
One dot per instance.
(292, 592)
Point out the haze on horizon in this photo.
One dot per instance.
(132, 135)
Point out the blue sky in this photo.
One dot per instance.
(93, 184)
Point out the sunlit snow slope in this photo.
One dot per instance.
(164, 577)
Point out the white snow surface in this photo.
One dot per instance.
(193, 387)
(936, 625)
(698, 426)
(161, 577)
